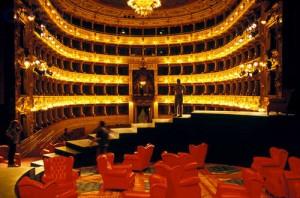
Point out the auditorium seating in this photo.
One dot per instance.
(252, 188)
(113, 177)
(277, 159)
(60, 169)
(140, 160)
(158, 189)
(199, 153)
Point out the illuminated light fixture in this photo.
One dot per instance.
(143, 7)
(263, 22)
(31, 17)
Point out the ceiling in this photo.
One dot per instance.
(165, 3)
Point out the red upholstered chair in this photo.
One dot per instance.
(182, 159)
(158, 189)
(4, 153)
(140, 160)
(101, 167)
(199, 153)
(179, 186)
(29, 188)
(282, 183)
(60, 169)
(277, 159)
(252, 188)
(121, 178)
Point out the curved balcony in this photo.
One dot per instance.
(243, 102)
(63, 75)
(48, 102)
(81, 33)
(237, 43)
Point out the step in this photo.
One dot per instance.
(83, 145)
(66, 151)
(50, 155)
(38, 163)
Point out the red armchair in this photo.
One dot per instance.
(282, 183)
(184, 160)
(158, 189)
(4, 153)
(60, 170)
(252, 188)
(199, 153)
(178, 185)
(101, 167)
(141, 158)
(121, 177)
(277, 159)
(29, 188)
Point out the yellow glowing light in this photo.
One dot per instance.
(144, 7)
(243, 102)
(221, 52)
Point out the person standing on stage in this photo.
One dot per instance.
(13, 135)
(179, 89)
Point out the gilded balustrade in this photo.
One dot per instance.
(234, 45)
(81, 33)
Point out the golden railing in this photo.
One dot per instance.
(243, 102)
(218, 53)
(60, 74)
(81, 33)
(48, 102)
(221, 76)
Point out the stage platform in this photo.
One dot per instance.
(233, 136)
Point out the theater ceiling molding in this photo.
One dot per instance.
(172, 12)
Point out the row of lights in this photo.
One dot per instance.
(243, 102)
(234, 45)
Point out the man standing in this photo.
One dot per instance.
(179, 89)
(13, 134)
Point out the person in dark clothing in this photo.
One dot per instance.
(178, 106)
(13, 135)
(102, 138)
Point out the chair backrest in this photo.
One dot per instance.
(149, 151)
(199, 152)
(29, 188)
(279, 155)
(294, 164)
(170, 159)
(253, 182)
(103, 163)
(59, 168)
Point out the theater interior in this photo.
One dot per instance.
(67, 65)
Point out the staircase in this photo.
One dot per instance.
(233, 137)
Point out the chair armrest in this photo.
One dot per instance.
(128, 167)
(230, 187)
(135, 194)
(189, 181)
(190, 166)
